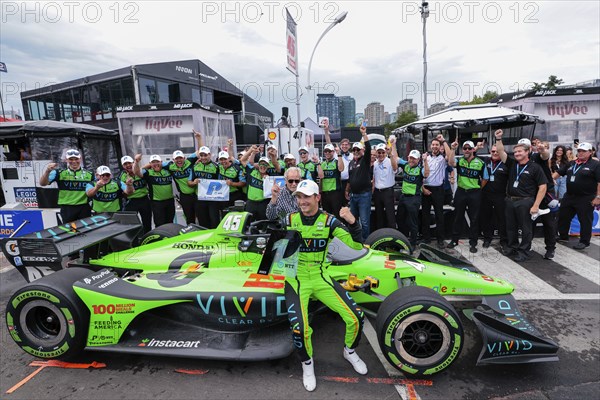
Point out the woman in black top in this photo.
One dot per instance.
(558, 159)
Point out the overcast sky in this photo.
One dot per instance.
(376, 54)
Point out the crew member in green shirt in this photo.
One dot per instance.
(331, 182)
(257, 203)
(137, 201)
(160, 186)
(472, 175)
(230, 170)
(106, 193)
(407, 212)
(71, 181)
(207, 211)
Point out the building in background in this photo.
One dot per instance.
(374, 114)
(406, 105)
(570, 113)
(94, 99)
(386, 117)
(358, 117)
(328, 105)
(347, 110)
(436, 107)
(393, 117)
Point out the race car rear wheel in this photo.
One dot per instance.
(419, 332)
(47, 319)
(161, 232)
(389, 240)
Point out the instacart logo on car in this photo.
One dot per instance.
(169, 343)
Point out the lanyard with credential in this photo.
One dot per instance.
(523, 170)
(575, 170)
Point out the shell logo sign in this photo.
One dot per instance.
(272, 135)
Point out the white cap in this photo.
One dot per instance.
(204, 149)
(303, 148)
(178, 153)
(358, 145)
(380, 146)
(223, 154)
(307, 187)
(584, 146)
(103, 169)
(271, 146)
(155, 157)
(72, 153)
(125, 159)
(468, 143)
(264, 159)
(329, 147)
(414, 154)
(524, 141)
(289, 156)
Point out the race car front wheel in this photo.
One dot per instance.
(47, 319)
(161, 232)
(389, 240)
(419, 331)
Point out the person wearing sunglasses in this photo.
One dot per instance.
(72, 182)
(282, 200)
(472, 176)
(106, 193)
(307, 165)
(359, 190)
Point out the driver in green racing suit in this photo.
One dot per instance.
(317, 229)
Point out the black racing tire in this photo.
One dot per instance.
(389, 240)
(419, 331)
(47, 319)
(161, 232)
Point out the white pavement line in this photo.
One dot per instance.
(369, 332)
(493, 263)
(577, 261)
(595, 240)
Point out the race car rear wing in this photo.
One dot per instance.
(41, 253)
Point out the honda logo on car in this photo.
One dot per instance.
(169, 343)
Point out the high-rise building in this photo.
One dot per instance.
(393, 117)
(406, 105)
(386, 117)
(374, 114)
(358, 117)
(436, 107)
(347, 110)
(328, 105)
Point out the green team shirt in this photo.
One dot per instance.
(204, 171)
(233, 173)
(470, 173)
(160, 184)
(317, 232)
(271, 171)
(71, 185)
(139, 185)
(108, 198)
(311, 167)
(255, 184)
(413, 178)
(181, 174)
(331, 176)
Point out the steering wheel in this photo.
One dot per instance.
(262, 226)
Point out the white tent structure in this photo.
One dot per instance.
(475, 118)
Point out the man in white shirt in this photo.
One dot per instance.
(347, 156)
(384, 178)
(433, 189)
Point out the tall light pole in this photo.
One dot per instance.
(424, 15)
(338, 20)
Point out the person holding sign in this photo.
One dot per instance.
(257, 203)
(207, 211)
(318, 229)
(282, 201)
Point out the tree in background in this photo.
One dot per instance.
(553, 83)
(403, 119)
(489, 95)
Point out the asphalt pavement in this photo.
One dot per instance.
(561, 297)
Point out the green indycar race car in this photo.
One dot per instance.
(219, 294)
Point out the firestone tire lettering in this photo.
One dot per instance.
(419, 332)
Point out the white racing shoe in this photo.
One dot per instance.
(308, 375)
(353, 358)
